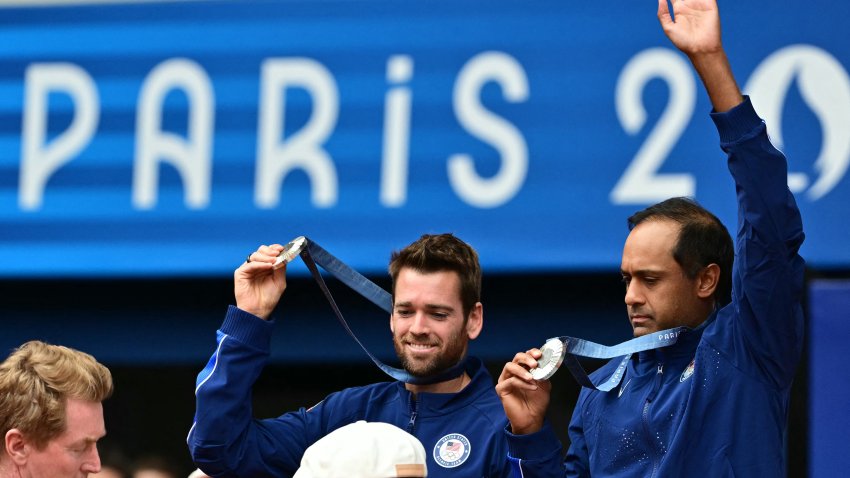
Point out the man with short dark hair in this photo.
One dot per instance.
(714, 403)
(51, 415)
(436, 312)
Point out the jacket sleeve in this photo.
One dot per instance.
(762, 328)
(225, 439)
(577, 461)
(536, 454)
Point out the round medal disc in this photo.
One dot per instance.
(290, 251)
(553, 356)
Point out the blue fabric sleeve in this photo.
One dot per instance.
(762, 329)
(536, 454)
(225, 440)
(577, 461)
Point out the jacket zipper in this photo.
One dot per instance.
(412, 422)
(656, 459)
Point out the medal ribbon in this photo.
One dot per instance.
(574, 347)
(313, 254)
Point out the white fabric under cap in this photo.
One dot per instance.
(364, 450)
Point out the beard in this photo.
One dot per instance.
(446, 358)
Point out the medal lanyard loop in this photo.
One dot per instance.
(313, 254)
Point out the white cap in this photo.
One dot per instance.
(198, 474)
(364, 450)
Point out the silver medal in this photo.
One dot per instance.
(553, 356)
(290, 252)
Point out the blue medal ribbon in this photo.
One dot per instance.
(313, 254)
(574, 347)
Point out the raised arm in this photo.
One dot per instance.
(696, 32)
(763, 327)
(225, 439)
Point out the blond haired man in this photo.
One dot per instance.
(51, 415)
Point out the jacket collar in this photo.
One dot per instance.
(442, 403)
(684, 346)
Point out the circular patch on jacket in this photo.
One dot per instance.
(451, 450)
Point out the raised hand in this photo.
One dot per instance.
(697, 26)
(257, 285)
(696, 32)
(525, 400)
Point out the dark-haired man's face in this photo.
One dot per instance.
(659, 295)
(429, 331)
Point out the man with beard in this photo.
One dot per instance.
(436, 311)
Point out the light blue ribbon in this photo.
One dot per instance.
(574, 347)
(313, 254)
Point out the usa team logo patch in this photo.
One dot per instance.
(451, 450)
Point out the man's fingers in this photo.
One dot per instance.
(664, 12)
(530, 354)
(513, 369)
(521, 364)
(528, 359)
(513, 384)
(266, 253)
(259, 264)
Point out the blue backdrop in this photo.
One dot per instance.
(829, 304)
(172, 138)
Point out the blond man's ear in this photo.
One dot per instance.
(17, 447)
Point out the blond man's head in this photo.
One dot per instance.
(36, 382)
